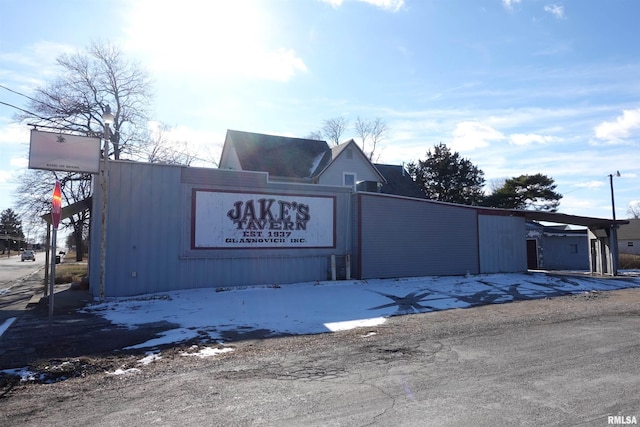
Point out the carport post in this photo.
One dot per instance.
(613, 243)
(613, 236)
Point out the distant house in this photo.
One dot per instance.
(629, 237)
(399, 182)
(556, 247)
(288, 159)
(283, 158)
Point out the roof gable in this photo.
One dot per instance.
(278, 155)
(630, 231)
(341, 150)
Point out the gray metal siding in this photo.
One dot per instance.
(259, 270)
(143, 228)
(355, 236)
(149, 233)
(149, 246)
(502, 245)
(558, 253)
(403, 237)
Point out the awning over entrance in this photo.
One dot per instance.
(561, 218)
(603, 248)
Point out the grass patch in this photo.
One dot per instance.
(69, 273)
(629, 262)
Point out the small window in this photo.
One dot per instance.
(573, 249)
(629, 243)
(349, 180)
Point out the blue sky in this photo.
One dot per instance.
(516, 86)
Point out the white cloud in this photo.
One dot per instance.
(5, 178)
(19, 162)
(38, 54)
(282, 64)
(212, 39)
(580, 205)
(619, 129)
(509, 3)
(590, 184)
(13, 134)
(555, 10)
(391, 5)
(470, 135)
(531, 138)
(208, 144)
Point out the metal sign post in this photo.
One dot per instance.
(56, 212)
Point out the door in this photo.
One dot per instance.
(532, 254)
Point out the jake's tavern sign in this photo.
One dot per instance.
(254, 220)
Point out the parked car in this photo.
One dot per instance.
(28, 254)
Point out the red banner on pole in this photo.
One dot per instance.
(56, 206)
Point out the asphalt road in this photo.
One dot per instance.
(570, 360)
(16, 288)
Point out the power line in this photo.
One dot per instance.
(18, 93)
(23, 110)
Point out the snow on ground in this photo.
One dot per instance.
(309, 308)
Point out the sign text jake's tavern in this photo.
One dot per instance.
(250, 220)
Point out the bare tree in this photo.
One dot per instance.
(332, 129)
(89, 81)
(33, 199)
(371, 132)
(496, 183)
(634, 210)
(159, 147)
(315, 135)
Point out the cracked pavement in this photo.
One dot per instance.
(555, 361)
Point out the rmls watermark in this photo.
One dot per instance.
(622, 420)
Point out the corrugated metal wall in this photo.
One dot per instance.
(143, 229)
(565, 252)
(401, 237)
(149, 233)
(502, 247)
(150, 218)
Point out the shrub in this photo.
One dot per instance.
(629, 262)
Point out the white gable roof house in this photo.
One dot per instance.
(298, 159)
(629, 237)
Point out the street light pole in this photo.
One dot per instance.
(613, 203)
(107, 118)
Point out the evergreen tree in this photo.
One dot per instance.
(10, 230)
(448, 177)
(535, 192)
